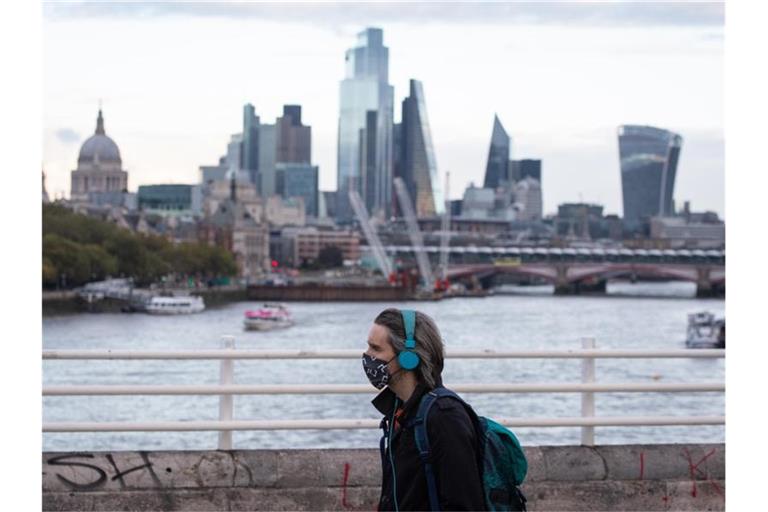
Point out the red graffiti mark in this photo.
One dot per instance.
(642, 465)
(665, 499)
(694, 469)
(344, 486)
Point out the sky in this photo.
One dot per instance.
(172, 79)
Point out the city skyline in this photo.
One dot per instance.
(578, 145)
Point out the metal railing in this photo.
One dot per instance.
(226, 389)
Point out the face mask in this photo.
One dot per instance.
(376, 371)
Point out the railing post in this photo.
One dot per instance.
(587, 397)
(226, 376)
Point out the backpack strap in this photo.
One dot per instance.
(422, 440)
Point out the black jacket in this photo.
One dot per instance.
(453, 446)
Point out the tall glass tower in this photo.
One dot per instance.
(496, 169)
(648, 158)
(365, 89)
(416, 159)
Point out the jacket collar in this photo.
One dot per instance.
(384, 402)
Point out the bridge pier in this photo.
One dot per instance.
(705, 287)
(581, 287)
(708, 290)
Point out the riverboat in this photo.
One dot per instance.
(179, 305)
(267, 317)
(705, 331)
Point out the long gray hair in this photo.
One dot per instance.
(429, 344)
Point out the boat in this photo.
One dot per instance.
(705, 331)
(178, 305)
(267, 317)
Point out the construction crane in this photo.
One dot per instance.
(370, 234)
(445, 234)
(417, 241)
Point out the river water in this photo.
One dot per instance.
(530, 318)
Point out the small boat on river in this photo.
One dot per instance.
(267, 317)
(705, 331)
(177, 305)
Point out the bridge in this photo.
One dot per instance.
(581, 270)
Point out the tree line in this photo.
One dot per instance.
(78, 249)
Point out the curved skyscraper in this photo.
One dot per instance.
(648, 158)
(415, 162)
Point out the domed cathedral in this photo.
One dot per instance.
(99, 166)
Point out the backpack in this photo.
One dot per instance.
(501, 458)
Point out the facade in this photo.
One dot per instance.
(364, 89)
(285, 212)
(237, 226)
(171, 199)
(526, 168)
(99, 166)
(328, 204)
(478, 203)
(249, 156)
(528, 200)
(648, 159)
(680, 232)
(299, 180)
(209, 173)
(415, 159)
(300, 246)
(294, 141)
(496, 169)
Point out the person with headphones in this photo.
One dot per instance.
(404, 359)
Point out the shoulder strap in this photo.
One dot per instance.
(422, 440)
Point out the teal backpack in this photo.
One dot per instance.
(501, 458)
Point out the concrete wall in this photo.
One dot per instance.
(632, 477)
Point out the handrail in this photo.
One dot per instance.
(348, 389)
(356, 354)
(347, 424)
(226, 389)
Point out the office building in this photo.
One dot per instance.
(249, 156)
(294, 140)
(648, 159)
(415, 157)
(526, 168)
(498, 156)
(299, 180)
(365, 89)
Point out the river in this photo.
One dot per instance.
(639, 316)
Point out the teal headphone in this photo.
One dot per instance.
(408, 358)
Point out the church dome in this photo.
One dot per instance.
(99, 148)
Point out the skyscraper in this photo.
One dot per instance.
(249, 157)
(365, 88)
(648, 159)
(416, 162)
(498, 156)
(294, 140)
(526, 168)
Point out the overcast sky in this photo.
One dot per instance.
(562, 77)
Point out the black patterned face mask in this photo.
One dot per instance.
(376, 371)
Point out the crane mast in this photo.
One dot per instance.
(370, 233)
(417, 241)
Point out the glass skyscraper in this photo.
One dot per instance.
(365, 89)
(496, 169)
(416, 157)
(648, 158)
(249, 156)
